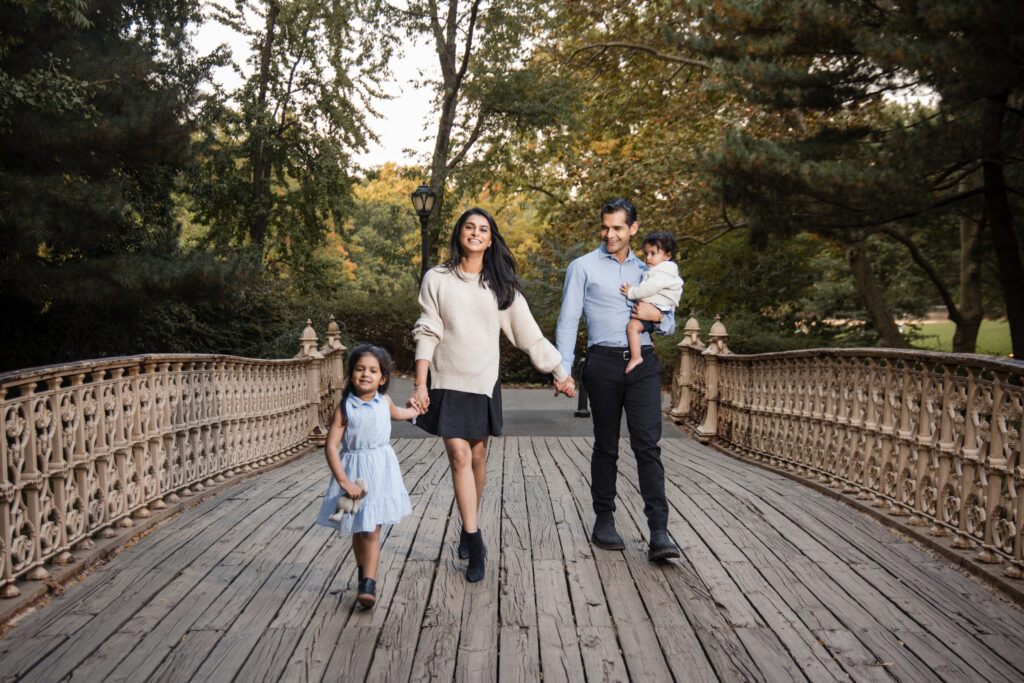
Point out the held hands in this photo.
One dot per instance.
(567, 387)
(420, 400)
(624, 289)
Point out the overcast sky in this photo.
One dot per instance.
(401, 125)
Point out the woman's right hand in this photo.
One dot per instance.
(420, 399)
(351, 490)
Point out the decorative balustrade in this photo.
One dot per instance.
(90, 446)
(933, 437)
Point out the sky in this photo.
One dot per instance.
(401, 124)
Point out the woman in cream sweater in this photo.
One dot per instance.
(465, 303)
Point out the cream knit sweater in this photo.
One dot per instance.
(458, 332)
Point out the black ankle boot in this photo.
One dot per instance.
(662, 547)
(477, 553)
(463, 544)
(367, 596)
(604, 535)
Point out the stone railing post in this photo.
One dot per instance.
(334, 351)
(688, 348)
(717, 337)
(309, 353)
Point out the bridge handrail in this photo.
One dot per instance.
(933, 437)
(92, 445)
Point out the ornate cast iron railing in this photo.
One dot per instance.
(90, 446)
(933, 437)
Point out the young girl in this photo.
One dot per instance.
(361, 428)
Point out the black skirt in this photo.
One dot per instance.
(462, 415)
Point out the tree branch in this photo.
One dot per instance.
(657, 54)
(477, 129)
(920, 260)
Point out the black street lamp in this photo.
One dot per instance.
(423, 199)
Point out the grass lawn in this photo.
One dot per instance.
(993, 337)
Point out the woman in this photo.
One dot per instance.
(464, 303)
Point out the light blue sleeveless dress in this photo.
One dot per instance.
(366, 453)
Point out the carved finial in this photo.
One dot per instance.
(691, 332)
(333, 337)
(308, 342)
(717, 337)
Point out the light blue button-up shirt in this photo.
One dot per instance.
(592, 290)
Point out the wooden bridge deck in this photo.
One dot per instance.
(777, 583)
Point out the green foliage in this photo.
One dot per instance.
(88, 237)
(275, 170)
(828, 150)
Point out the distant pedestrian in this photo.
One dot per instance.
(465, 304)
(359, 447)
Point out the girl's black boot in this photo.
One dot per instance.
(477, 553)
(463, 544)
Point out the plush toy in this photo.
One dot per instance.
(349, 506)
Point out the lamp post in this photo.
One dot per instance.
(423, 199)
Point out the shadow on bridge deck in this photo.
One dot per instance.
(777, 582)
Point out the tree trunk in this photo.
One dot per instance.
(1004, 240)
(453, 72)
(878, 310)
(965, 338)
(261, 154)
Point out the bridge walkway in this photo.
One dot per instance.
(777, 582)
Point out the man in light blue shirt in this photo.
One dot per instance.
(592, 289)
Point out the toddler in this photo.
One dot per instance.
(660, 285)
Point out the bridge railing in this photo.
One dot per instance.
(933, 437)
(91, 446)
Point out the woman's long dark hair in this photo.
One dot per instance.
(383, 358)
(499, 273)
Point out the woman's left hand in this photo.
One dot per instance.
(567, 387)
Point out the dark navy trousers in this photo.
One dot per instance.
(611, 392)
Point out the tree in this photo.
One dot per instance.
(89, 250)
(487, 91)
(276, 170)
(847, 162)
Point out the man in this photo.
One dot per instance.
(592, 288)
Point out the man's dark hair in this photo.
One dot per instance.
(662, 240)
(620, 204)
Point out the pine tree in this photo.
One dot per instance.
(845, 158)
(89, 254)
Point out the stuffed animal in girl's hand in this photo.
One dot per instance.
(348, 506)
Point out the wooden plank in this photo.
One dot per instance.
(869, 612)
(802, 638)
(517, 601)
(896, 605)
(438, 643)
(640, 646)
(138, 646)
(599, 646)
(477, 657)
(146, 576)
(710, 617)
(560, 658)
